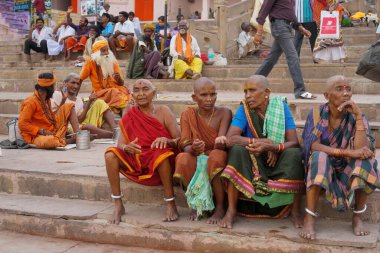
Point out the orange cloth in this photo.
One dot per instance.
(142, 168)
(46, 82)
(319, 5)
(98, 45)
(32, 118)
(114, 95)
(73, 44)
(189, 51)
(127, 43)
(193, 127)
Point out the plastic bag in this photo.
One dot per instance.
(329, 28)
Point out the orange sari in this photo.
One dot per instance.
(193, 127)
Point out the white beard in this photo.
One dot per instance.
(105, 62)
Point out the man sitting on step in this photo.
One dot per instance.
(203, 130)
(123, 35)
(145, 150)
(92, 115)
(37, 39)
(186, 53)
(63, 31)
(106, 77)
(37, 122)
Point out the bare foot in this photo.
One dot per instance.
(165, 75)
(193, 215)
(148, 77)
(308, 231)
(296, 218)
(117, 212)
(217, 216)
(171, 212)
(196, 76)
(228, 219)
(357, 226)
(51, 58)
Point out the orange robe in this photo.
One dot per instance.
(114, 95)
(32, 118)
(73, 44)
(142, 168)
(193, 127)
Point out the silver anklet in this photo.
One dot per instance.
(169, 199)
(117, 196)
(316, 215)
(360, 211)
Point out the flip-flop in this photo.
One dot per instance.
(306, 95)
(6, 144)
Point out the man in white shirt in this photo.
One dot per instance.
(123, 35)
(136, 23)
(37, 38)
(186, 53)
(62, 31)
(245, 40)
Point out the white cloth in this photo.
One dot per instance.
(330, 55)
(57, 99)
(44, 34)
(136, 23)
(245, 44)
(126, 27)
(102, 12)
(194, 46)
(54, 48)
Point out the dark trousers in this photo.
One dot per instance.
(298, 38)
(30, 44)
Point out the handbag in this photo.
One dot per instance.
(329, 28)
(369, 64)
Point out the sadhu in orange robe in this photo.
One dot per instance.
(36, 114)
(142, 168)
(193, 127)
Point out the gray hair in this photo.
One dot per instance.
(259, 79)
(184, 22)
(71, 76)
(332, 80)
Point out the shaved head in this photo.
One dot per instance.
(201, 82)
(258, 79)
(144, 81)
(333, 80)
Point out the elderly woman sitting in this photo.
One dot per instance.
(264, 163)
(339, 154)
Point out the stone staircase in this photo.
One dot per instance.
(66, 194)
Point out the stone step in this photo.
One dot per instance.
(142, 227)
(370, 104)
(309, 71)
(81, 175)
(359, 85)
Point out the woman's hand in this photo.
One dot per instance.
(132, 147)
(259, 146)
(198, 147)
(272, 159)
(160, 142)
(220, 142)
(361, 153)
(351, 107)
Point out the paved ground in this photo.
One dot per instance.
(20, 243)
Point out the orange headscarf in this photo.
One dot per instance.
(45, 82)
(189, 51)
(98, 45)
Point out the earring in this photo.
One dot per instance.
(266, 96)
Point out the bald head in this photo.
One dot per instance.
(144, 82)
(260, 80)
(333, 80)
(202, 82)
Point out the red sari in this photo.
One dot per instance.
(142, 168)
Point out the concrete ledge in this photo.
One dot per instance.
(142, 228)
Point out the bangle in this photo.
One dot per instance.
(358, 119)
(281, 147)
(360, 129)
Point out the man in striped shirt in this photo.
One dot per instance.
(304, 13)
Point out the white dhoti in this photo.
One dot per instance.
(54, 48)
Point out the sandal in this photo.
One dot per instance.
(306, 95)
